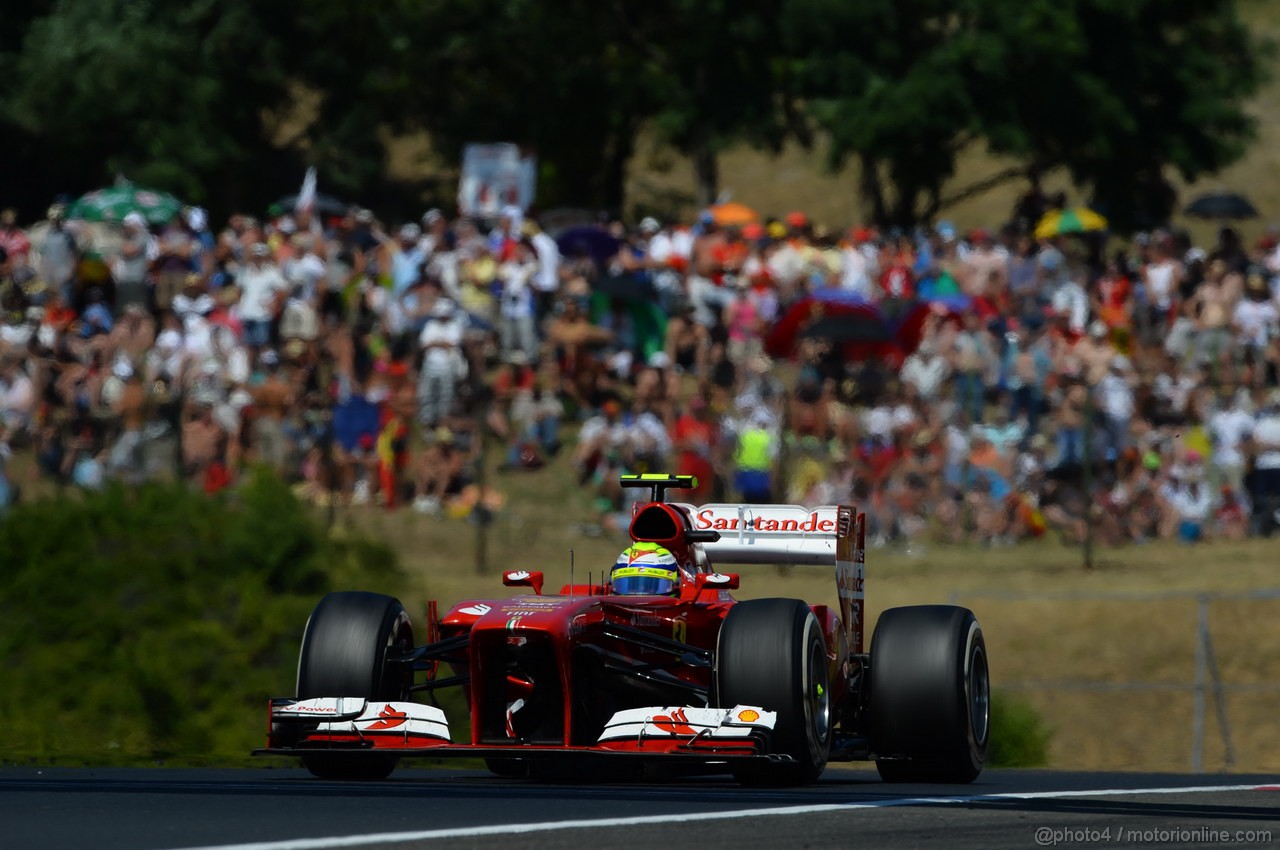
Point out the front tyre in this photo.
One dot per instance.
(772, 653)
(344, 654)
(930, 695)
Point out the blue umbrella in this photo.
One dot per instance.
(955, 303)
(590, 242)
(839, 295)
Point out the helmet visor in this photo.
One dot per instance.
(644, 581)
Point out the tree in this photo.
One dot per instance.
(170, 94)
(1118, 92)
(224, 101)
(714, 76)
(883, 80)
(573, 81)
(551, 78)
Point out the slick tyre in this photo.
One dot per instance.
(344, 654)
(930, 695)
(771, 653)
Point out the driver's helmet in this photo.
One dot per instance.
(645, 569)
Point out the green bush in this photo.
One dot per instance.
(139, 625)
(1019, 737)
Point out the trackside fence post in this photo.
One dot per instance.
(1219, 692)
(1202, 664)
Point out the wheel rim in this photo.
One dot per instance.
(818, 698)
(979, 686)
(399, 639)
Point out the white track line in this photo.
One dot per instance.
(780, 811)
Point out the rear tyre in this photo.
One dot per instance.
(930, 695)
(344, 654)
(772, 653)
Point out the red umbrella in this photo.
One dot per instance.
(912, 328)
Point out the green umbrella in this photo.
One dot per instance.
(118, 201)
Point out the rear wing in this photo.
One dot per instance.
(789, 534)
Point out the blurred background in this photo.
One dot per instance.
(312, 296)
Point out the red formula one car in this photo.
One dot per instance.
(769, 690)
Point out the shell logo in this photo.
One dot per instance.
(748, 716)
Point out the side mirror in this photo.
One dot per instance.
(717, 581)
(524, 578)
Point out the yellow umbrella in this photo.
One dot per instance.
(1078, 220)
(733, 214)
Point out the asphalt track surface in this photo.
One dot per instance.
(286, 809)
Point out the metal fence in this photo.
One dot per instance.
(1208, 685)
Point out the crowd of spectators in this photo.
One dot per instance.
(1022, 386)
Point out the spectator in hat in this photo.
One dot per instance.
(194, 299)
(306, 269)
(547, 279)
(442, 363)
(1211, 308)
(58, 254)
(435, 230)
(203, 243)
(973, 361)
(262, 292)
(1229, 430)
(1256, 320)
(859, 266)
(658, 247)
(1069, 419)
(516, 312)
(742, 318)
(403, 257)
(1162, 279)
(1264, 484)
(1190, 507)
(1116, 403)
(130, 268)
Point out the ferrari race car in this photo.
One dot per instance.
(692, 681)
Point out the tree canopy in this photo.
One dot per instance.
(224, 101)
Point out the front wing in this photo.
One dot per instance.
(355, 725)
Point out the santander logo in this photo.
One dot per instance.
(478, 610)
(390, 719)
(708, 519)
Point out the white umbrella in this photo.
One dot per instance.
(100, 237)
